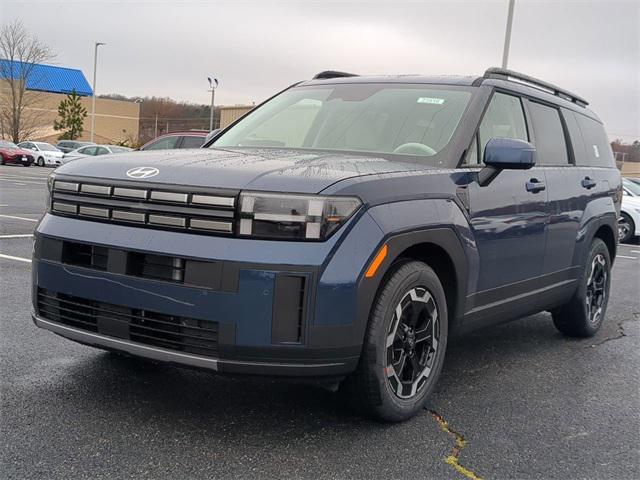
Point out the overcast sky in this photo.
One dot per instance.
(256, 48)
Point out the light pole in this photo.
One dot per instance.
(507, 35)
(93, 99)
(213, 83)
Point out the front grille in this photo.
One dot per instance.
(141, 326)
(152, 207)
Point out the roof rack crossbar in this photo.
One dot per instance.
(505, 74)
(332, 74)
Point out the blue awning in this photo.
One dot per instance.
(48, 78)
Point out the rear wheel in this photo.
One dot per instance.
(626, 228)
(582, 316)
(404, 346)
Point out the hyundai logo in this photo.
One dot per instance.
(142, 172)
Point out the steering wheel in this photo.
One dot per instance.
(413, 148)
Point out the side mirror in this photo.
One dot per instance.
(505, 154)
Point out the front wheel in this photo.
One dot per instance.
(404, 345)
(582, 316)
(41, 162)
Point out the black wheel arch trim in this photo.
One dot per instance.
(442, 237)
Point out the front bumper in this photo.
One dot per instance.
(246, 305)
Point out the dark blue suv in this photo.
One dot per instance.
(340, 231)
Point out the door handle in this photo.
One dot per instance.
(535, 186)
(588, 183)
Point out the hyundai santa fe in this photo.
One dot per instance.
(341, 231)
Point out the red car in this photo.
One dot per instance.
(190, 139)
(11, 153)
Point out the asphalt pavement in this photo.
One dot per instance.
(516, 401)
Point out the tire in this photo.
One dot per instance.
(1, 160)
(626, 228)
(375, 388)
(26, 164)
(583, 315)
(41, 162)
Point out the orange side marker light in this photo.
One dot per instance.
(378, 259)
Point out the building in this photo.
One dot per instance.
(46, 85)
(230, 114)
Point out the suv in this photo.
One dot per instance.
(66, 146)
(342, 230)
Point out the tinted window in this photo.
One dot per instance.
(551, 148)
(192, 142)
(101, 151)
(504, 118)
(163, 143)
(596, 144)
(577, 142)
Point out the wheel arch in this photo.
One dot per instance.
(440, 248)
(607, 235)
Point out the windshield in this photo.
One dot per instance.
(416, 120)
(4, 144)
(634, 188)
(45, 147)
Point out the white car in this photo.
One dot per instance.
(44, 154)
(629, 221)
(93, 151)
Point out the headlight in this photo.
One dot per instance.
(50, 179)
(301, 217)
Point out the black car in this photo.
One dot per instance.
(67, 146)
(341, 231)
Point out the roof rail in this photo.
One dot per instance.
(332, 74)
(505, 74)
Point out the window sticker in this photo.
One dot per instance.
(596, 152)
(431, 100)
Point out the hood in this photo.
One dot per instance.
(257, 169)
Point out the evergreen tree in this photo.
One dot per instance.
(72, 115)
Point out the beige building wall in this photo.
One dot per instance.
(116, 120)
(230, 114)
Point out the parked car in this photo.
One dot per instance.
(340, 231)
(66, 146)
(635, 180)
(44, 153)
(11, 153)
(169, 141)
(93, 151)
(629, 221)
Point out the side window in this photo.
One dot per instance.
(87, 150)
(504, 118)
(551, 148)
(164, 143)
(596, 144)
(190, 141)
(101, 151)
(577, 141)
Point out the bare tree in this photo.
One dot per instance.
(20, 51)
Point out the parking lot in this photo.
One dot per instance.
(514, 401)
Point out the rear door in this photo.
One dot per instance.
(508, 216)
(567, 198)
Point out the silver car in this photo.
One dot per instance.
(93, 151)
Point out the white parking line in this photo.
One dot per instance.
(634, 251)
(19, 259)
(625, 256)
(22, 182)
(23, 235)
(19, 218)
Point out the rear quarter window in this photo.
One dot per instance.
(596, 143)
